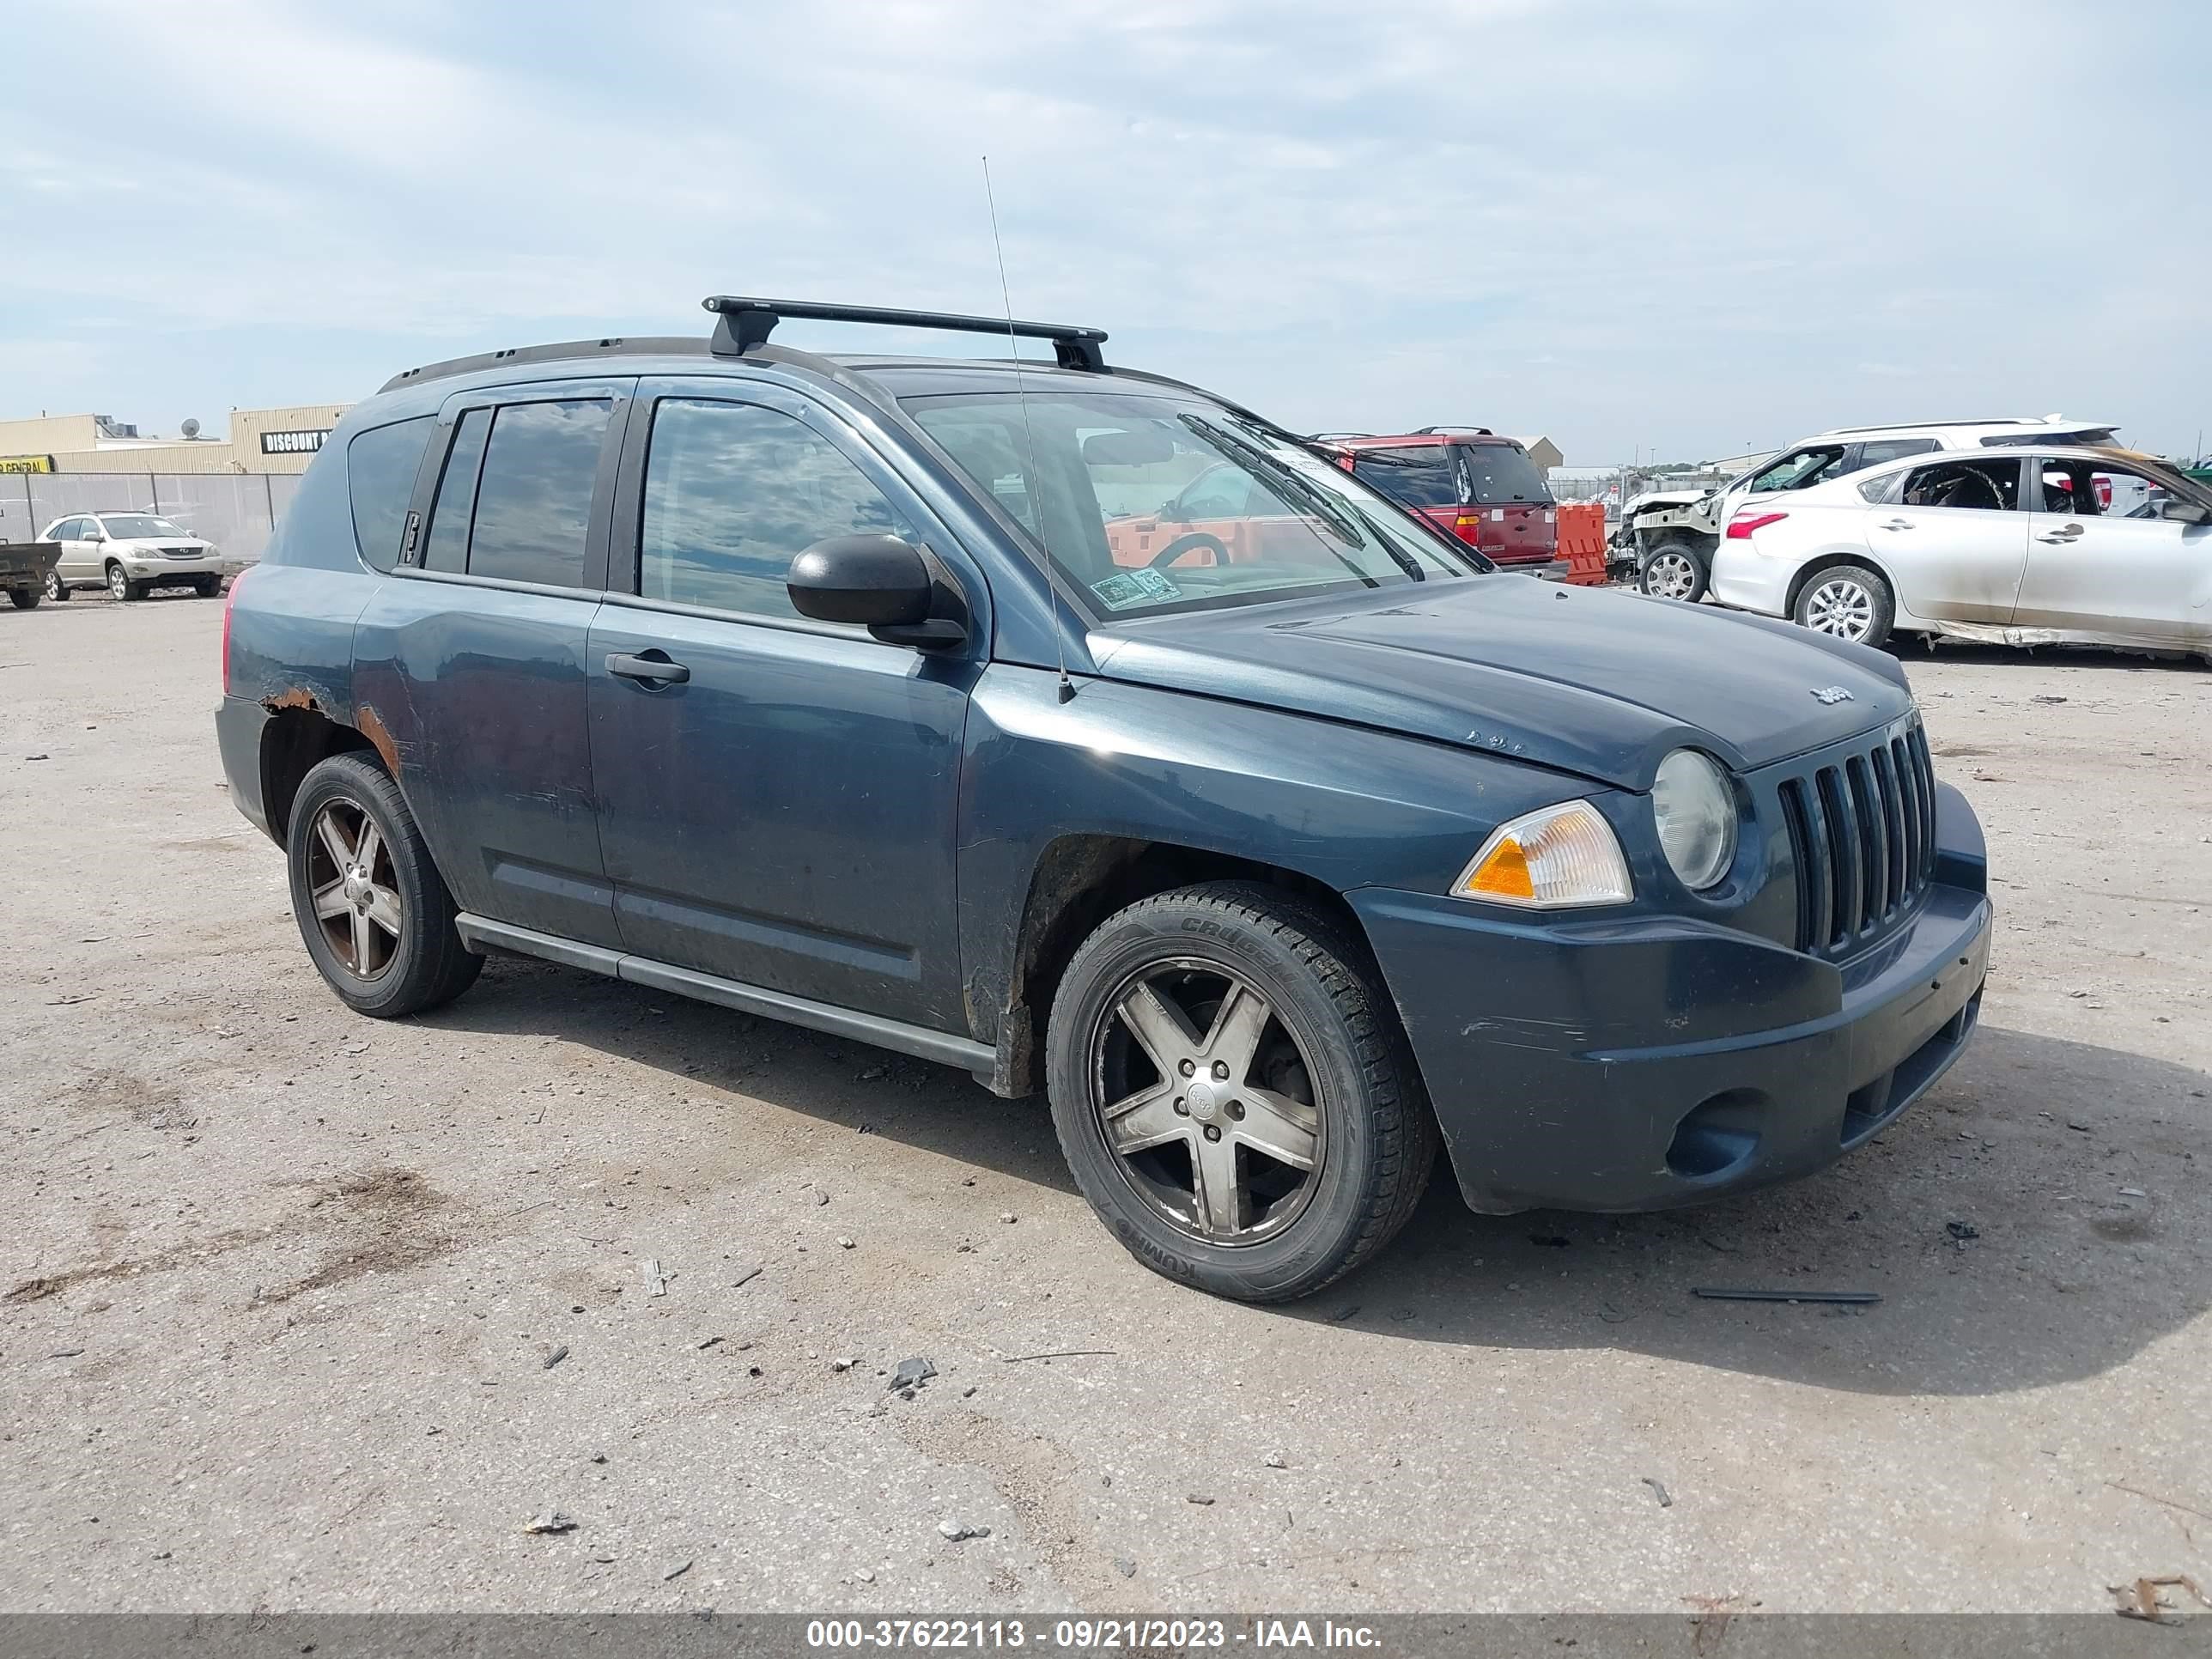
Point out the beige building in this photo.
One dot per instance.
(261, 440)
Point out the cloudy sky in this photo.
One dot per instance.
(1699, 227)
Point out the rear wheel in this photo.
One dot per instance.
(25, 599)
(374, 912)
(1233, 1093)
(1675, 570)
(56, 589)
(1847, 602)
(120, 588)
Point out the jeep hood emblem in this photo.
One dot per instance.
(1832, 694)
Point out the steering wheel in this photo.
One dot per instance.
(1190, 543)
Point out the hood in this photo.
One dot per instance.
(1593, 681)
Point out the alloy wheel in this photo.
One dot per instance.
(1207, 1100)
(357, 894)
(1841, 608)
(1670, 576)
(118, 583)
(55, 591)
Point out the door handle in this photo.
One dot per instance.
(1897, 524)
(647, 668)
(2071, 532)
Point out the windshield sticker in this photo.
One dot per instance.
(1126, 587)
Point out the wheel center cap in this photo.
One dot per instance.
(357, 886)
(1200, 1099)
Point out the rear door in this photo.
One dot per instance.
(2144, 582)
(69, 562)
(470, 659)
(1517, 523)
(1952, 538)
(779, 797)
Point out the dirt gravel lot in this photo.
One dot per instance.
(305, 1311)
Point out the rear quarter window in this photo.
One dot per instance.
(380, 467)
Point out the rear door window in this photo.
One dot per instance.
(1416, 475)
(380, 468)
(1502, 476)
(448, 546)
(534, 501)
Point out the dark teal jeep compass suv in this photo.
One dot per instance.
(940, 704)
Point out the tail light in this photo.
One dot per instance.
(230, 604)
(1468, 526)
(1741, 525)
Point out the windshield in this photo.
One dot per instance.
(1150, 503)
(137, 526)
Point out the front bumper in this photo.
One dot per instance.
(1646, 1063)
(158, 571)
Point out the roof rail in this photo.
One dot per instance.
(612, 345)
(746, 322)
(1473, 431)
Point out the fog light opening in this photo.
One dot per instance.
(1717, 1135)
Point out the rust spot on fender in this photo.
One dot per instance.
(297, 697)
(380, 738)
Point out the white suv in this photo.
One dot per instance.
(1674, 541)
(130, 554)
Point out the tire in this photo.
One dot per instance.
(1846, 602)
(120, 588)
(26, 598)
(1675, 570)
(56, 589)
(421, 965)
(1340, 1084)
(207, 587)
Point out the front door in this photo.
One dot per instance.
(2138, 580)
(470, 662)
(1953, 538)
(779, 797)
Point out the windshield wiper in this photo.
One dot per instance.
(1299, 491)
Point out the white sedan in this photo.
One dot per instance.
(2015, 546)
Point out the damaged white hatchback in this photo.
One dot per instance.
(2057, 545)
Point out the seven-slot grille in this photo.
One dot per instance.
(1864, 829)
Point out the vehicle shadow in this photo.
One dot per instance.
(845, 1084)
(1990, 1219)
(1919, 652)
(1995, 1222)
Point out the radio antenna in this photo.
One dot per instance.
(1035, 484)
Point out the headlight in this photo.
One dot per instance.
(1549, 859)
(1695, 810)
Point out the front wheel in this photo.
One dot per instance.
(25, 599)
(121, 588)
(56, 589)
(1847, 602)
(376, 915)
(207, 587)
(1675, 570)
(1233, 1093)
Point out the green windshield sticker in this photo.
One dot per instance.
(1126, 587)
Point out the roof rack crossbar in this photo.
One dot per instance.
(745, 322)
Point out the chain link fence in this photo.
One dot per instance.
(235, 511)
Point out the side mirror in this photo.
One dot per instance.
(879, 582)
(2183, 511)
